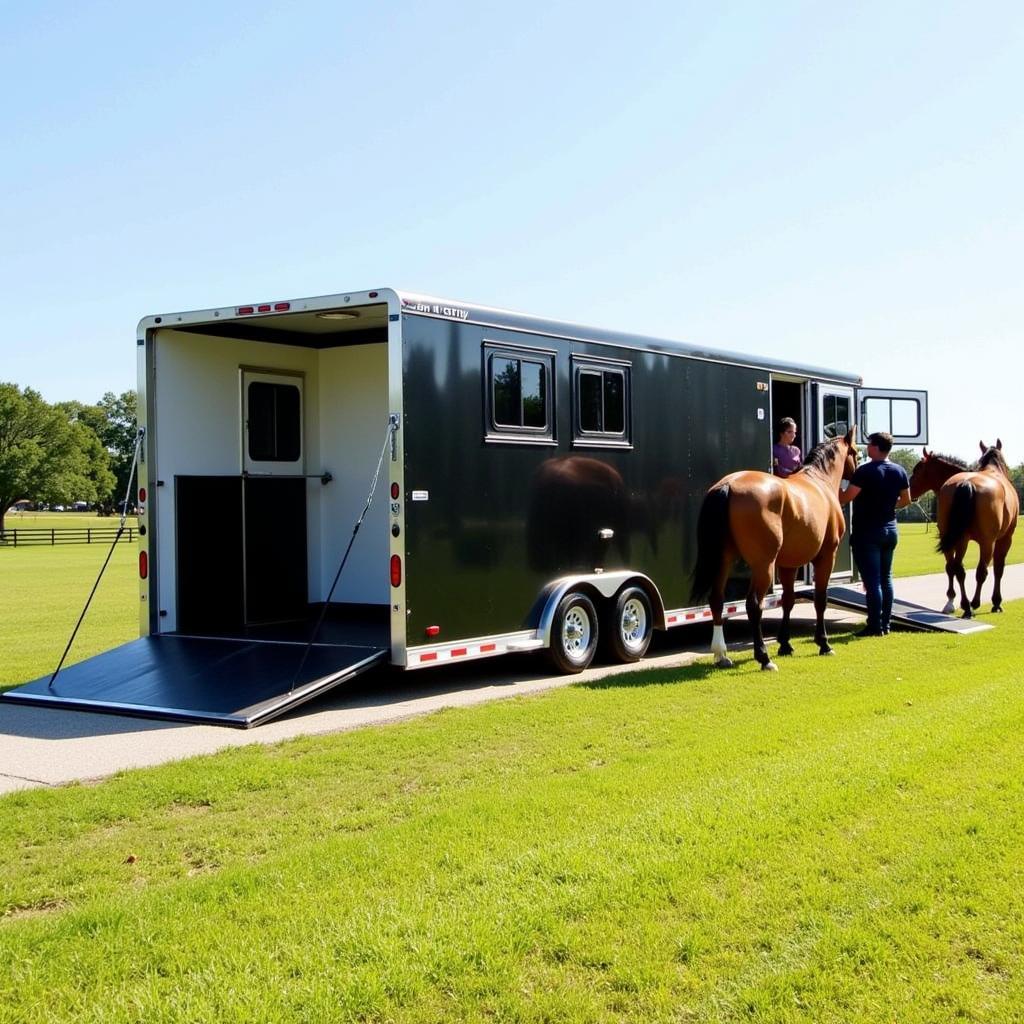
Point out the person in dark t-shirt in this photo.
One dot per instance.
(877, 489)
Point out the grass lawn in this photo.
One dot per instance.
(42, 593)
(916, 554)
(840, 841)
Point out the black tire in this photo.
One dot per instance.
(574, 634)
(628, 626)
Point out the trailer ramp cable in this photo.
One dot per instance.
(389, 445)
(120, 529)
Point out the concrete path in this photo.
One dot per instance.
(51, 747)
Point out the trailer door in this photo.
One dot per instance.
(833, 414)
(904, 414)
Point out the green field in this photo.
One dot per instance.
(839, 841)
(916, 554)
(42, 592)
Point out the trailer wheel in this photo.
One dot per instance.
(573, 633)
(629, 626)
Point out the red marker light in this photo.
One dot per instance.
(245, 310)
(142, 494)
(396, 571)
(373, 295)
(395, 491)
(264, 307)
(432, 630)
(143, 565)
(280, 307)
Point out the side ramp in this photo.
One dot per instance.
(214, 681)
(906, 613)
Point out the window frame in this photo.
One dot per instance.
(582, 438)
(249, 375)
(509, 433)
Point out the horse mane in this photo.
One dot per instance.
(950, 460)
(822, 455)
(994, 457)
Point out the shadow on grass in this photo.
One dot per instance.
(740, 650)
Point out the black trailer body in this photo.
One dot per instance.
(540, 481)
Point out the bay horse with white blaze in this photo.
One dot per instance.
(979, 505)
(773, 523)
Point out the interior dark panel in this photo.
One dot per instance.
(209, 553)
(275, 549)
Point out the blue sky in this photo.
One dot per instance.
(834, 184)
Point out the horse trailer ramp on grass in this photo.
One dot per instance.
(906, 613)
(210, 680)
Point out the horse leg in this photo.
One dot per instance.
(717, 603)
(950, 606)
(1002, 547)
(760, 580)
(961, 577)
(787, 578)
(981, 573)
(823, 566)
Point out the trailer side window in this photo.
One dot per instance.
(601, 404)
(275, 422)
(519, 394)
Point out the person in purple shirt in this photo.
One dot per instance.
(786, 457)
(877, 489)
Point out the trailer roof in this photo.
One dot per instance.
(271, 314)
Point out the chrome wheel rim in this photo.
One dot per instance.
(633, 624)
(576, 633)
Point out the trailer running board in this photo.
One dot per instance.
(906, 613)
(213, 681)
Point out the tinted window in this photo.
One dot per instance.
(506, 391)
(275, 422)
(601, 404)
(591, 418)
(534, 395)
(836, 415)
(520, 394)
(614, 402)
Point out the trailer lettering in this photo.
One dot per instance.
(437, 310)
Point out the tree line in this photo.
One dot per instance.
(65, 452)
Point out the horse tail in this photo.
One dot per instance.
(961, 512)
(712, 533)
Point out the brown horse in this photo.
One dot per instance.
(979, 505)
(773, 523)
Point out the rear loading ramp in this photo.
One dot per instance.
(906, 613)
(209, 680)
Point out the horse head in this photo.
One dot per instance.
(850, 462)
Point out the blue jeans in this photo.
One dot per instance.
(873, 550)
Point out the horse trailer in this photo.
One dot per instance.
(539, 484)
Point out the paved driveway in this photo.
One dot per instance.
(49, 747)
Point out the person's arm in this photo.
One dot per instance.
(904, 499)
(851, 492)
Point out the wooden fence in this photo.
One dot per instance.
(18, 538)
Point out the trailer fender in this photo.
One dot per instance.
(598, 585)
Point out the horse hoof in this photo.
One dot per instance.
(826, 652)
(724, 663)
(784, 652)
(949, 608)
(968, 614)
(997, 608)
(769, 666)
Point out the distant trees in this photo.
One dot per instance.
(64, 452)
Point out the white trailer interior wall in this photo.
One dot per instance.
(197, 397)
(353, 415)
(197, 392)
